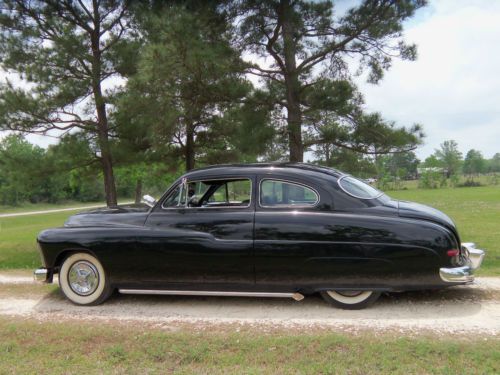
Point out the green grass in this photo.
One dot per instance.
(475, 211)
(26, 207)
(105, 348)
(18, 248)
(485, 180)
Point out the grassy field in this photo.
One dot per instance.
(121, 348)
(476, 211)
(45, 206)
(18, 248)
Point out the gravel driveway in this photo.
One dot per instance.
(463, 309)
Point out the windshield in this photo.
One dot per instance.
(358, 188)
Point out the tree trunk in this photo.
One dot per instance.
(138, 191)
(189, 148)
(107, 165)
(292, 85)
(102, 118)
(328, 157)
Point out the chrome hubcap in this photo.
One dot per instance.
(83, 278)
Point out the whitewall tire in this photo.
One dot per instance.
(83, 281)
(350, 300)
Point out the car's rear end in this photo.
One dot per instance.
(464, 262)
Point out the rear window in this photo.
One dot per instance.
(358, 188)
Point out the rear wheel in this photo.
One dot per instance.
(350, 300)
(83, 281)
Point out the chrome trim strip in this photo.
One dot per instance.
(457, 274)
(318, 198)
(295, 296)
(40, 274)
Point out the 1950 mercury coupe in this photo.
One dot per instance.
(268, 230)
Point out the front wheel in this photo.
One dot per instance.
(83, 281)
(350, 300)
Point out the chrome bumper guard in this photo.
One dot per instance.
(464, 274)
(41, 274)
(476, 256)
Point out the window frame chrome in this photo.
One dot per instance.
(186, 181)
(183, 184)
(354, 195)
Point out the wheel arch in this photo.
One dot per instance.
(67, 252)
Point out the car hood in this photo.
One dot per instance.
(110, 216)
(420, 211)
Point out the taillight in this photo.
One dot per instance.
(455, 256)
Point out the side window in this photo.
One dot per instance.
(196, 191)
(275, 193)
(233, 193)
(176, 198)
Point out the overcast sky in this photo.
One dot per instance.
(453, 89)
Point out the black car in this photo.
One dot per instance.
(267, 230)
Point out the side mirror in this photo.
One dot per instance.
(149, 200)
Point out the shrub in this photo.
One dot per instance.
(470, 183)
(431, 180)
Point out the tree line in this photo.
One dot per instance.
(445, 167)
(148, 85)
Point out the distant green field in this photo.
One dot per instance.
(46, 206)
(476, 211)
(18, 247)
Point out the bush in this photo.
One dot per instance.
(493, 179)
(470, 183)
(431, 180)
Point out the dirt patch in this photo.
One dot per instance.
(457, 310)
(16, 277)
(25, 290)
(412, 312)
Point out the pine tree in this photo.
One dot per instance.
(305, 52)
(189, 99)
(64, 52)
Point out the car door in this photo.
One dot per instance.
(287, 234)
(202, 233)
(298, 244)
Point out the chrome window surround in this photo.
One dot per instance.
(289, 205)
(185, 182)
(354, 195)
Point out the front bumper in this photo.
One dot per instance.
(41, 274)
(464, 274)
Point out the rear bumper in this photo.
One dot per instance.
(476, 256)
(464, 274)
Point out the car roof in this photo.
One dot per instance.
(303, 169)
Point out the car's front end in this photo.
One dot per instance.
(81, 228)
